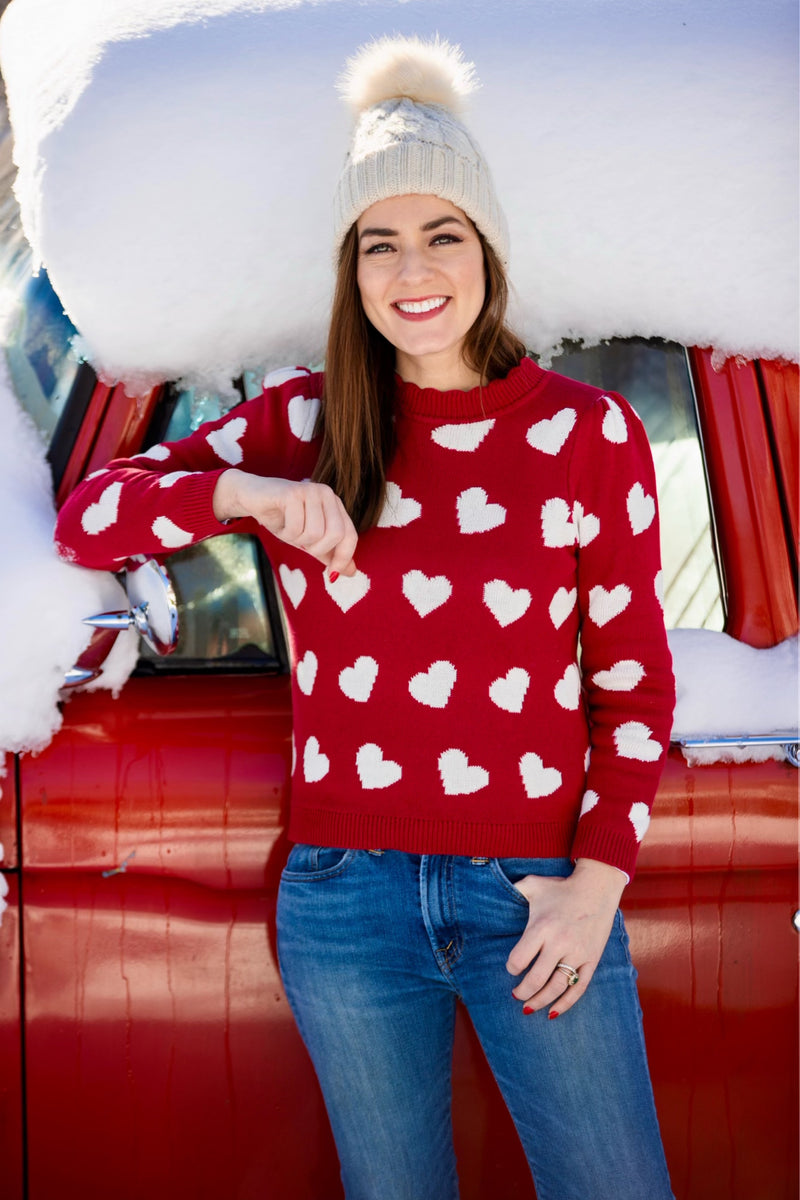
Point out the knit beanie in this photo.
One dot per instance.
(408, 139)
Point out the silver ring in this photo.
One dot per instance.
(570, 972)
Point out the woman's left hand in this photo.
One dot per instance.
(569, 922)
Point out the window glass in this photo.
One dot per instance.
(37, 342)
(654, 377)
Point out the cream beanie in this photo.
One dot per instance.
(408, 138)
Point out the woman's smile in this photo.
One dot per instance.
(421, 310)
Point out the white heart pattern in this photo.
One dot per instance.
(605, 605)
(568, 689)
(303, 415)
(476, 514)
(641, 509)
(639, 817)
(167, 481)
(225, 441)
(374, 770)
(537, 779)
(586, 524)
(294, 583)
(588, 802)
(158, 452)
(635, 740)
(460, 777)
(283, 375)
(506, 604)
(348, 589)
(623, 676)
(464, 437)
(307, 672)
(103, 512)
(398, 510)
(557, 528)
(614, 427)
(550, 435)
(658, 585)
(433, 687)
(508, 692)
(315, 764)
(425, 592)
(169, 534)
(358, 681)
(562, 605)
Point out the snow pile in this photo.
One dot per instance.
(728, 689)
(177, 162)
(41, 614)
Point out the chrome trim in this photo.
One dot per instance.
(796, 920)
(789, 741)
(77, 675)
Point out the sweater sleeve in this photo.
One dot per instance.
(625, 660)
(161, 500)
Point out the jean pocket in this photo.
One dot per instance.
(315, 862)
(509, 871)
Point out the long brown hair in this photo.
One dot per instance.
(357, 419)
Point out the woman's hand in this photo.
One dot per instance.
(570, 920)
(307, 515)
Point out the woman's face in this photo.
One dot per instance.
(422, 281)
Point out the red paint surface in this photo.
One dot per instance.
(10, 1047)
(8, 811)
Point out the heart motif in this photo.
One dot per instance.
(557, 528)
(103, 512)
(623, 676)
(398, 510)
(568, 689)
(459, 777)
(307, 672)
(173, 477)
(159, 453)
(537, 779)
(315, 764)
(348, 589)
(294, 583)
(433, 687)
(508, 692)
(549, 435)
(476, 514)
(562, 605)
(358, 681)
(588, 802)
(374, 770)
(464, 437)
(506, 604)
(635, 740)
(303, 415)
(170, 534)
(587, 524)
(641, 509)
(658, 585)
(614, 427)
(426, 593)
(274, 379)
(639, 817)
(225, 441)
(604, 605)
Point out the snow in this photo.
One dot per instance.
(42, 617)
(726, 689)
(177, 163)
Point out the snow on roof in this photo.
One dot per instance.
(177, 162)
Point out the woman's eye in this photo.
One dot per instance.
(445, 239)
(378, 248)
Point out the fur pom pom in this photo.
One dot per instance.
(431, 72)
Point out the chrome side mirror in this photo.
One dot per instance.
(153, 612)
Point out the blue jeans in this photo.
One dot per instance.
(376, 948)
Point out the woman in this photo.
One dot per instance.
(468, 800)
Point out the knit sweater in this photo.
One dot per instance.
(495, 679)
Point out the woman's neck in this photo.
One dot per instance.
(445, 374)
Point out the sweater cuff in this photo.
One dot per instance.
(608, 845)
(195, 509)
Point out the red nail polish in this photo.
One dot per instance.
(334, 575)
(552, 1016)
(528, 1010)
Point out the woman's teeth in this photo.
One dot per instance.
(421, 306)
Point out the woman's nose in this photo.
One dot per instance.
(414, 264)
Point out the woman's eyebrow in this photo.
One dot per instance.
(373, 231)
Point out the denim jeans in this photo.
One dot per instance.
(375, 949)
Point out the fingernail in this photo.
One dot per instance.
(334, 575)
(552, 1016)
(528, 1010)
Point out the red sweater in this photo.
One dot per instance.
(438, 702)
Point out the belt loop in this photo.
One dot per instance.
(479, 861)
(376, 852)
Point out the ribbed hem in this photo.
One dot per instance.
(608, 846)
(416, 835)
(475, 404)
(195, 510)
